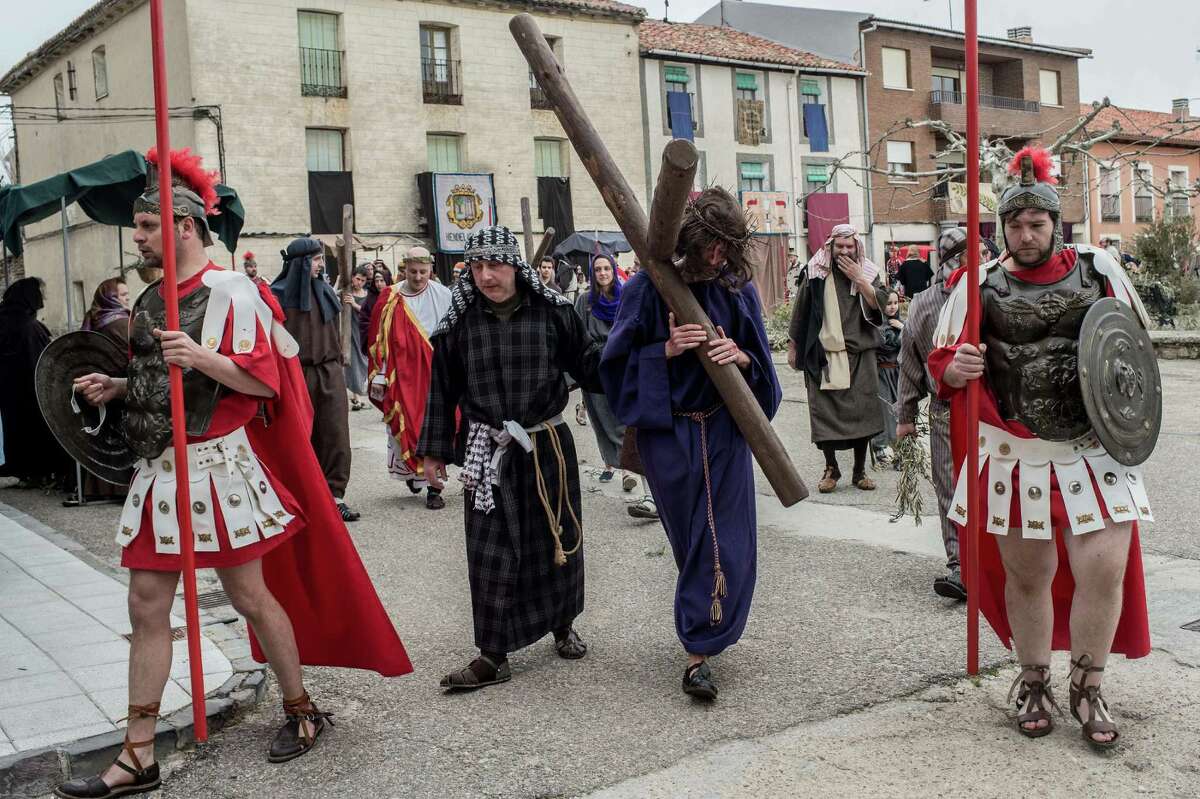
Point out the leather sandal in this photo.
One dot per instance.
(570, 646)
(862, 482)
(347, 514)
(470, 678)
(698, 681)
(1099, 720)
(829, 480)
(1032, 693)
(293, 738)
(145, 778)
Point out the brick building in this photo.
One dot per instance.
(917, 72)
(363, 94)
(1148, 170)
(765, 117)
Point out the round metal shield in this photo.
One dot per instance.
(97, 442)
(1122, 389)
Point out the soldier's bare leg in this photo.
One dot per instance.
(1029, 568)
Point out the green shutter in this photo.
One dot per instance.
(816, 174)
(675, 74)
(443, 153)
(547, 158)
(752, 170)
(746, 81)
(810, 87)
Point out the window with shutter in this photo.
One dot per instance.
(895, 68)
(444, 152)
(900, 160)
(100, 72)
(1050, 86)
(326, 150)
(548, 158)
(675, 74)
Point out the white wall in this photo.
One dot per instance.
(718, 142)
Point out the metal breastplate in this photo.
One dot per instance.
(1032, 337)
(148, 399)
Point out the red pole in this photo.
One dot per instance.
(183, 501)
(971, 329)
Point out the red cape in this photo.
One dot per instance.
(317, 575)
(404, 355)
(1132, 638)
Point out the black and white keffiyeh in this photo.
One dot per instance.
(495, 243)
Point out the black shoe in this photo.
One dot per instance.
(347, 514)
(144, 780)
(412, 487)
(569, 645)
(434, 500)
(292, 740)
(697, 682)
(951, 586)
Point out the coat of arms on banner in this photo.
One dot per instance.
(464, 206)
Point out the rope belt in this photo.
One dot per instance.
(485, 449)
(719, 591)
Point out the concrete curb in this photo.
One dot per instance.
(1175, 344)
(36, 772)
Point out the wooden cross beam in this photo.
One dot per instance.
(654, 242)
(543, 249)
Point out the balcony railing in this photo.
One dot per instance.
(321, 73)
(538, 99)
(986, 101)
(441, 81)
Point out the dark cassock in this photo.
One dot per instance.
(503, 366)
(835, 333)
(312, 307)
(31, 452)
(666, 401)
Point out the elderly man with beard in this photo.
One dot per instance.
(1060, 561)
(404, 317)
(833, 338)
(500, 357)
(916, 342)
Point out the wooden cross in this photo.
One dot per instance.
(654, 242)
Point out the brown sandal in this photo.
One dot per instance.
(863, 483)
(1099, 720)
(1032, 695)
(293, 738)
(829, 480)
(468, 679)
(145, 778)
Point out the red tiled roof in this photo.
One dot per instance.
(725, 42)
(1141, 125)
(602, 6)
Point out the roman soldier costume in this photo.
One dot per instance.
(1070, 405)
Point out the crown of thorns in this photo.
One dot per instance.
(692, 212)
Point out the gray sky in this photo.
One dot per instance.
(1141, 59)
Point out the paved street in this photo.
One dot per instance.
(848, 681)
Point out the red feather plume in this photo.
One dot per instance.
(189, 168)
(248, 256)
(1043, 164)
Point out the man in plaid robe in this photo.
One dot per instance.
(500, 356)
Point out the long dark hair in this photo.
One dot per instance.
(714, 216)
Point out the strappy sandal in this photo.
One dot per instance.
(1099, 720)
(570, 646)
(698, 681)
(468, 679)
(145, 778)
(1033, 694)
(293, 738)
(347, 514)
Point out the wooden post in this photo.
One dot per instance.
(674, 183)
(543, 248)
(527, 227)
(971, 330)
(345, 258)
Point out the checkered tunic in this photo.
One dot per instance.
(496, 371)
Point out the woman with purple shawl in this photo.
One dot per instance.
(109, 313)
(695, 458)
(597, 308)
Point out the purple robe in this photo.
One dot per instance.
(646, 391)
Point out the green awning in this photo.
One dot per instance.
(676, 74)
(810, 87)
(753, 170)
(817, 174)
(745, 81)
(105, 190)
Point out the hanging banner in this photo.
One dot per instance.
(769, 211)
(462, 204)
